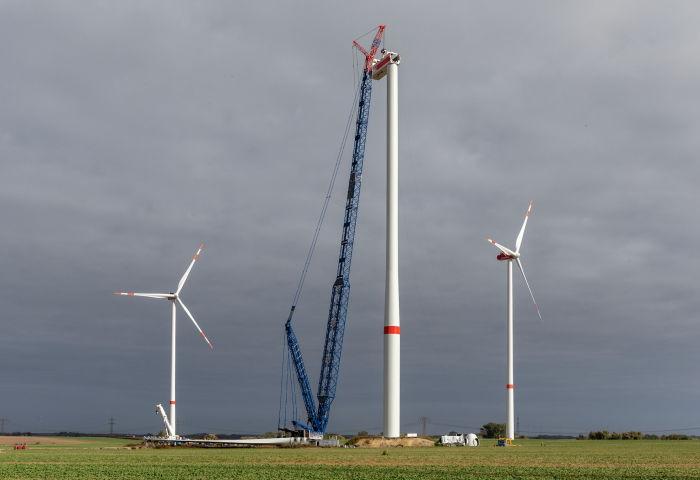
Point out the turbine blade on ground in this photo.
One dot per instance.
(151, 295)
(193, 321)
(184, 277)
(503, 249)
(528, 287)
(522, 230)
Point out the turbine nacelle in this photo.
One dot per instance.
(507, 256)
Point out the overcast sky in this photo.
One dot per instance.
(133, 132)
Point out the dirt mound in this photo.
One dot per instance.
(394, 442)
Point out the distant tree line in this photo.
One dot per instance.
(493, 430)
(605, 435)
(676, 436)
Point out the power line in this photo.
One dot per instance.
(453, 425)
(40, 417)
(111, 425)
(4, 421)
(424, 421)
(177, 426)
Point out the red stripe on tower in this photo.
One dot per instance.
(509, 386)
(172, 402)
(393, 330)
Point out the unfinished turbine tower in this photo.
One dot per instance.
(388, 65)
(392, 319)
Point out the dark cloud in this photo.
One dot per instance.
(131, 133)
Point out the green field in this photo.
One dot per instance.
(558, 459)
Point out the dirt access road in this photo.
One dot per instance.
(43, 440)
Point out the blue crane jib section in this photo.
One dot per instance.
(335, 329)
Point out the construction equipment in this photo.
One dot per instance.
(335, 328)
(460, 440)
(169, 430)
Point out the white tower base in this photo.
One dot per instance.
(172, 372)
(510, 407)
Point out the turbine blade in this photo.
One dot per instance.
(184, 277)
(193, 321)
(503, 249)
(522, 230)
(528, 287)
(151, 295)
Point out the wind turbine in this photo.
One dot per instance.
(174, 297)
(510, 256)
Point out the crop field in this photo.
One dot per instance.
(561, 459)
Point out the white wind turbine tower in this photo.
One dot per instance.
(509, 256)
(174, 297)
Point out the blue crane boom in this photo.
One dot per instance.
(335, 328)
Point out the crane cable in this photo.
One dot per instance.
(285, 385)
(325, 203)
(279, 416)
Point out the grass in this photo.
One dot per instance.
(568, 459)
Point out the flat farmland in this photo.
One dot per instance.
(558, 459)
